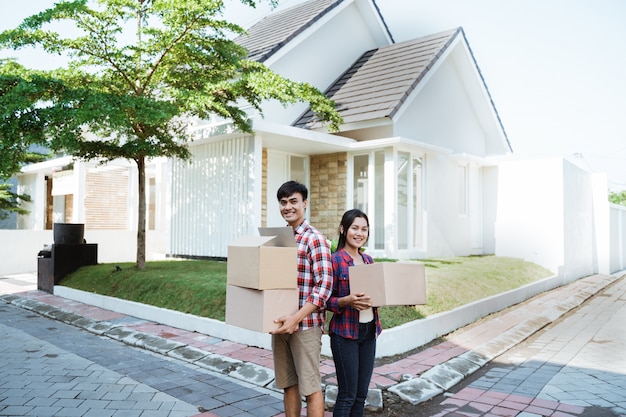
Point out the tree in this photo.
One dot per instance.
(10, 201)
(13, 158)
(617, 198)
(11, 162)
(15, 154)
(13, 98)
(135, 94)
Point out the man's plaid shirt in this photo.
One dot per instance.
(315, 273)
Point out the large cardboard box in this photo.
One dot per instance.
(263, 262)
(257, 309)
(390, 283)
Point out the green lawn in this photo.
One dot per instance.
(198, 287)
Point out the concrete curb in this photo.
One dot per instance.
(391, 342)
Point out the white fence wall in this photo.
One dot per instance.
(556, 214)
(19, 248)
(530, 215)
(213, 197)
(617, 256)
(549, 212)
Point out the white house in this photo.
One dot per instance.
(419, 150)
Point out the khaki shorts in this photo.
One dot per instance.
(297, 360)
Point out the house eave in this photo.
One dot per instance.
(401, 142)
(350, 126)
(300, 141)
(308, 142)
(471, 158)
(48, 166)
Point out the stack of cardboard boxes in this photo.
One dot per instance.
(262, 279)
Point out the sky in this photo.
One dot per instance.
(555, 69)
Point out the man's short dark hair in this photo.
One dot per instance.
(290, 188)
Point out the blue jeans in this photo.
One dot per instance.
(354, 364)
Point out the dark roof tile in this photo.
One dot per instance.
(276, 29)
(381, 79)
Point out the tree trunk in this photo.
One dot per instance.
(141, 214)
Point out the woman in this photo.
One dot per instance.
(355, 324)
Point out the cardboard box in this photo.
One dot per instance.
(257, 309)
(390, 283)
(263, 262)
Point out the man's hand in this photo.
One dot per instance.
(289, 325)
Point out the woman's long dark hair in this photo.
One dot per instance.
(346, 222)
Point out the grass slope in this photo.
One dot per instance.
(198, 287)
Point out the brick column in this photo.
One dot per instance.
(327, 192)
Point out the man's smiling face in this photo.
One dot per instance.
(292, 208)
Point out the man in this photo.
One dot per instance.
(297, 343)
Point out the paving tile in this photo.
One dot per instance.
(533, 374)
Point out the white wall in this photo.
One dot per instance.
(447, 232)
(19, 248)
(529, 220)
(578, 221)
(443, 115)
(490, 207)
(34, 185)
(617, 238)
(554, 213)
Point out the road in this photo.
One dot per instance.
(49, 368)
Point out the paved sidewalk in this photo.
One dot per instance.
(415, 378)
(575, 367)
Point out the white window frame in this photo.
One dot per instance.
(390, 195)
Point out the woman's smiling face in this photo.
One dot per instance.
(357, 233)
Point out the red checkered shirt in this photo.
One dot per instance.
(315, 273)
(345, 321)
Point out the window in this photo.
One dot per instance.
(416, 168)
(369, 187)
(379, 201)
(409, 209)
(369, 196)
(297, 169)
(361, 184)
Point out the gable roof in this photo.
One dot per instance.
(381, 80)
(275, 30)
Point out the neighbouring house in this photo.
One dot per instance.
(418, 151)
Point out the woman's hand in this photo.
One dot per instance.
(357, 301)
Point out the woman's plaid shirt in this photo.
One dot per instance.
(345, 321)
